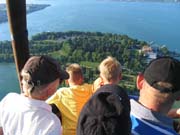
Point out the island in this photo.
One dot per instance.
(29, 9)
(89, 49)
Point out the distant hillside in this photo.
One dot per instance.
(29, 9)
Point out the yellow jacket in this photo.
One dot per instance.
(70, 101)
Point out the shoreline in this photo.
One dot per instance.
(30, 8)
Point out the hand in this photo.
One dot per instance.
(1, 131)
(97, 84)
(174, 113)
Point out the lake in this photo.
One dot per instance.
(149, 21)
(157, 22)
(8, 79)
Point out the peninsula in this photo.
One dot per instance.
(29, 9)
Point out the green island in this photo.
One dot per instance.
(89, 49)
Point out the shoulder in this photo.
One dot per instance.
(50, 123)
(140, 126)
(87, 85)
(54, 119)
(135, 97)
(145, 121)
(61, 91)
(58, 95)
(11, 97)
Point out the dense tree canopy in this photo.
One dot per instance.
(88, 49)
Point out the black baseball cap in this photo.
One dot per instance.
(43, 70)
(163, 70)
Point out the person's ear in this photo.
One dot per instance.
(81, 80)
(67, 82)
(120, 76)
(178, 98)
(139, 81)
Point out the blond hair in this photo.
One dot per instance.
(75, 72)
(110, 68)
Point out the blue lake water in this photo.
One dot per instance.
(149, 21)
(8, 79)
(158, 22)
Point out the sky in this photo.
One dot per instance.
(2, 1)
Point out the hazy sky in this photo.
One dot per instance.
(2, 1)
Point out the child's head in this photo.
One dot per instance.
(110, 70)
(75, 74)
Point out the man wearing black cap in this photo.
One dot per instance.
(159, 87)
(28, 114)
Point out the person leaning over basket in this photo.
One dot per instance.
(159, 88)
(28, 113)
(68, 101)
